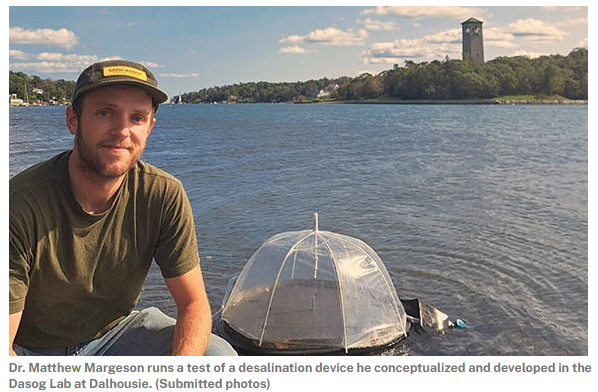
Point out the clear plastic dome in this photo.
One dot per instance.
(313, 292)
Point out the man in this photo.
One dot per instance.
(86, 225)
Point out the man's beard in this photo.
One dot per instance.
(91, 164)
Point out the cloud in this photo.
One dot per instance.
(47, 37)
(47, 67)
(71, 58)
(364, 72)
(377, 25)
(293, 39)
(561, 8)
(520, 32)
(500, 38)
(295, 49)
(151, 65)
(529, 54)
(574, 22)
(178, 76)
(449, 43)
(51, 62)
(19, 55)
(429, 47)
(582, 44)
(535, 30)
(330, 36)
(452, 36)
(426, 12)
(48, 62)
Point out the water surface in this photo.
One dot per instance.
(481, 211)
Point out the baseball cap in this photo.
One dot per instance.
(109, 72)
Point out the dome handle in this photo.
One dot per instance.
(315, 245)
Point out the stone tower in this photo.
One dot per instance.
(473, 41)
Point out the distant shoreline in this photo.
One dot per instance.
(458, 102)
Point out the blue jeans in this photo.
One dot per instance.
(145, 332)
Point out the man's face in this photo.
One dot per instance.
(111, 132)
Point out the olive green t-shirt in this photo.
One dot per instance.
(76, 275)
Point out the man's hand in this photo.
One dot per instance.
(13, 326)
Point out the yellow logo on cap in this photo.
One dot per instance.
(125, 71)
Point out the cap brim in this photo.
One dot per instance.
(158, 96)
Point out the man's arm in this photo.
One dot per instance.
(194, 318)
(14, 320)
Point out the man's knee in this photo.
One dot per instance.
(219, 347)
(153, 319)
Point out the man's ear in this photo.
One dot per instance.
(72, 121)
(151, 126)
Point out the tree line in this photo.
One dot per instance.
(545, 76)
(34, 90)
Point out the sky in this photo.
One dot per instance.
(190, 48)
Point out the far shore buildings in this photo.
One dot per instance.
(13, 100)
(473, 41)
